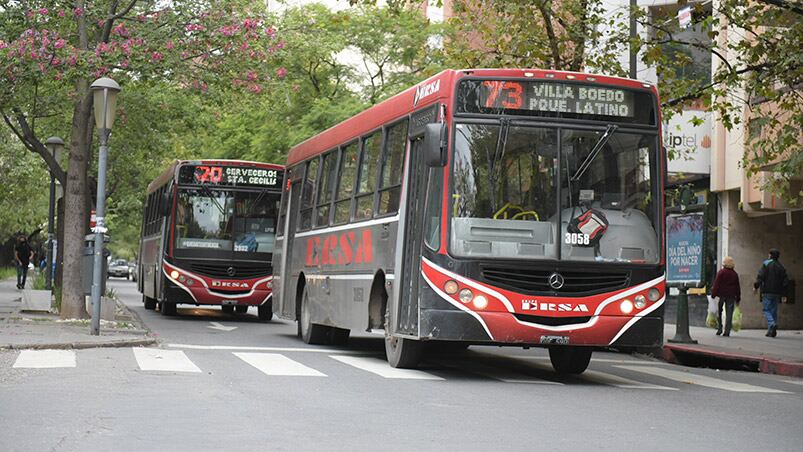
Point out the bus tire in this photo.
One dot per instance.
(241, 309)
(168, 308)
(403, 353)
(570, 360)
(150, 303)
(309, 332)
(227, 308)
(340, 336)
(265, 311)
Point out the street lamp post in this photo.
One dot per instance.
(55, 146)
(104, 91)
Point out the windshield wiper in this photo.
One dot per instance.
(594, 152)
(205, 190)
(495, 164)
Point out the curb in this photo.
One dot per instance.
(694, 356)
(81, 345)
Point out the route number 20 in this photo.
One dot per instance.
(576, 238)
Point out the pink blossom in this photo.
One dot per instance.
(228, 30)
(78, 12)
(3, 44)
(251, 76)
(121, 31)
(59, 43)
(281, 72)
(124, 64)
(61, 13)
(29, 13)
(250, 24)
(244, 46)
(73, 60)
(193, 27)
(141, 18)
(254, 88)
(156, 56)
(169, 45)
(43, 11)
(280, 45)
(270, 31)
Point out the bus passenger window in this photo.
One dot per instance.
(308, 195)
(345, 187)
(392, 168)
(325, 188)
(367, 178)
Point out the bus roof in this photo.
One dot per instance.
(417, 97)
(169, 173)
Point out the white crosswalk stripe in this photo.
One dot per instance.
(620, 382)
(44, 359)
(701, 380)
(795, 382)
(164, 360)
(383, 369)
(276, 364)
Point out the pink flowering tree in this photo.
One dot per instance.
(51, 53)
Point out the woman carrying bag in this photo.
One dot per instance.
(726, 287)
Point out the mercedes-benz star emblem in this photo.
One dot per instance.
(231, 271)
(556, 281)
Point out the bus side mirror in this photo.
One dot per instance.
(435, 144)
(164, 206)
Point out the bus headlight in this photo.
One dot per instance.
(480, 302)
(653, 294)
(640, 301)
(450, 287)
(626, 306)
(174, 274)
(466, 295)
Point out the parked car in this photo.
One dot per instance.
(119, 268)
(132, 270)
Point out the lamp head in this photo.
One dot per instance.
(55, 145)
(104, 93)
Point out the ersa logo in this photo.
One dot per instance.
(535, 305)
(340, 249)
(230, 284)
(426, 90)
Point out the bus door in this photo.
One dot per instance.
(408, 254)
(287, 299)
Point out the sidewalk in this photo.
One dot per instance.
(743, 350)
(40, 330)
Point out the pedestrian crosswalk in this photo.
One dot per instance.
(618, 374)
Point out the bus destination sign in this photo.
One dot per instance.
(229, 175)
(547, 98)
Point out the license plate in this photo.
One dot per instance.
(555, 340)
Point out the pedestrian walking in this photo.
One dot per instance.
(22, 258)
(726, 287)
(772, 281)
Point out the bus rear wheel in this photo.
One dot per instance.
(309, 332)
(150, 303)
(241, 309)
(570, 360)
(265, 311)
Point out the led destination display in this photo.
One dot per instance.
(229, 175)
(555, 99)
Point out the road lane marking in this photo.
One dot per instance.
(383, 369)
(795, 382)
(45, 359)
(701, 380)
(267, 349)
(277, 364)
(221, 327)
(619, 382)
(163, 360)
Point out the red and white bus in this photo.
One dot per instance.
(490, 206)
(208, 236)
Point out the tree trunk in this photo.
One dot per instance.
(75, 213)
(59, 243)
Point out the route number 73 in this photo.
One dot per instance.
(503, 94)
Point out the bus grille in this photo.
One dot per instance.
(576, 283)
(241, 270)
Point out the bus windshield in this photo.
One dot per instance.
(226, 220)
(554, 193)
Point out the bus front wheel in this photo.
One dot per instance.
(150, 303)
(168, 308)
(570, 360)
(309, 332)
(402, 352)
(265, 311)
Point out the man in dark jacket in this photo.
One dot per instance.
(772, 281)
(22, 257)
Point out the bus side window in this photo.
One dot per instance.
(366, 184)
(432, 217)
(285, 197)
(325, 188)
(392, 163)
(308, 195)
(345, 187)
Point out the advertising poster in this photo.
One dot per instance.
(684, 249)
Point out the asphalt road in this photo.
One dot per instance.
(229, 382)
